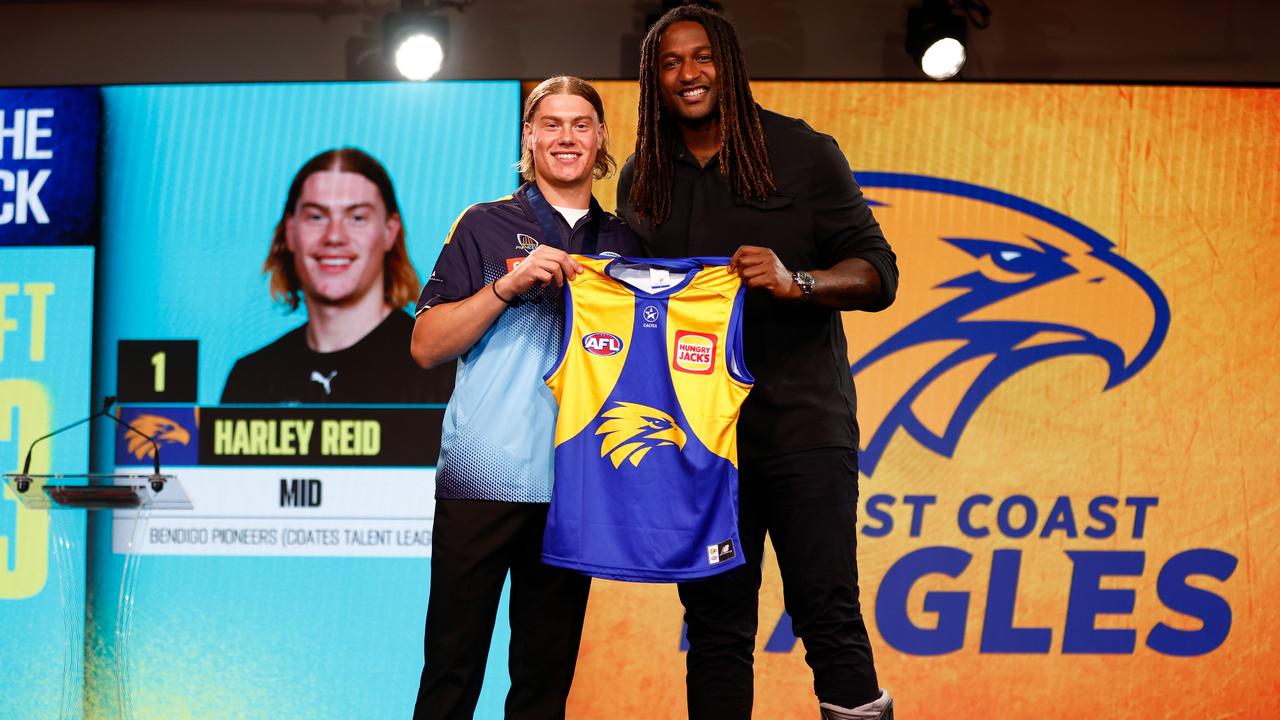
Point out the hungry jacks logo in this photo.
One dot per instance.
(694, 352)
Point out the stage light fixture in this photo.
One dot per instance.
(937, 31)
(944, 58)
(415, 39)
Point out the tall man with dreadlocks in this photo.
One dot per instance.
(714, 174)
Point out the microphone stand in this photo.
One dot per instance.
(23, 483)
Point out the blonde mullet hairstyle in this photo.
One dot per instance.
(566, 85)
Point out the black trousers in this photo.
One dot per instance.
(474, 544)
(807, 502)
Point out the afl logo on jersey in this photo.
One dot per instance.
(694, 352)
(602, 343)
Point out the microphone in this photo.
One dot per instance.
(23, 483)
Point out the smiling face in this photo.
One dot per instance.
(339, 234)
(687, 74)
(564, 136)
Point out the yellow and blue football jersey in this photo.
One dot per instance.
(649, 382)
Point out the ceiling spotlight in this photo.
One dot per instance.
(419, 56)
(936, 34)
(944, 58)
(414, 40)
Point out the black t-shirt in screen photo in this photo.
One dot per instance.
(376, 370)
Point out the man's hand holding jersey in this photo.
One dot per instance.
(445, 331)
(760, 269)
(850, 284)
(544, 265)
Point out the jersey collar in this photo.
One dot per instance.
(553, 225)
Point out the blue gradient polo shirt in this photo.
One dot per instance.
(499, 426)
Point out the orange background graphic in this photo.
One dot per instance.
(1186, 183)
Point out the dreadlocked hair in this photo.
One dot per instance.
(744, 153)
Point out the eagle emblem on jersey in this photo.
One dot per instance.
(631, 430)
(162, 429)
(993, 284)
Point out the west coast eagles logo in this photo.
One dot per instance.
(162, 429)
(992, 284)
(631, 430)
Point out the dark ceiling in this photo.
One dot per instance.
(151, 41)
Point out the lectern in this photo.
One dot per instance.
(66, 493)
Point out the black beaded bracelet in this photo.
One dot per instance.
(494, 287)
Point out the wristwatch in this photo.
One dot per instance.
(805, 281)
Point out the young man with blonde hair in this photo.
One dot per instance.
(494, 302)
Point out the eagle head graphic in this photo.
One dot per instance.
(162, 429)
(631, 430)
(991, 284)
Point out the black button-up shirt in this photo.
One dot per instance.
(803, 396)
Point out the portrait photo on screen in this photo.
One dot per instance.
(277, 234)
(287, 228)
(339, 250)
